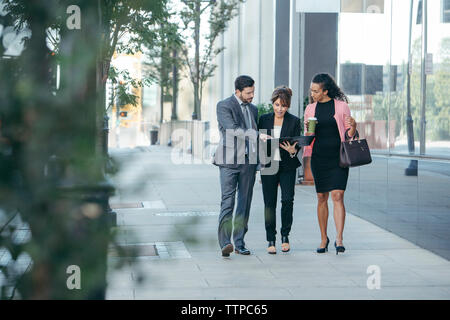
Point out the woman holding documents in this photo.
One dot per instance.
(329, 107)
(278, 165)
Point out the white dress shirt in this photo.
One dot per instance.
(276, 135)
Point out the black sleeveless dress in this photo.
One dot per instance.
(325, 154)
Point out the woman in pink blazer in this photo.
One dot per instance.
(333, 122)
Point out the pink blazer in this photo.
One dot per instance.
(341, 111)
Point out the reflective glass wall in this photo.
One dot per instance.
(394, 65)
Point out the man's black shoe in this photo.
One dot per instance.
(227, 250)
(242, 250)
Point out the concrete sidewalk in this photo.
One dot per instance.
(179, 220)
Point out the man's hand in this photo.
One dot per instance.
(264, 137)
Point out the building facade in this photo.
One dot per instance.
(392, 59)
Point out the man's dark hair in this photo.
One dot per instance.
(242, 82)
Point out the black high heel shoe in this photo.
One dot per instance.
(339, 248)
(284, 240)
(271, 244)
(323, 250)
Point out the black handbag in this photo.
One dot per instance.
(354, 152)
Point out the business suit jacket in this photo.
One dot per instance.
(290, 128)
(231, 151)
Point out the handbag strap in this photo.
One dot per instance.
(355, 136)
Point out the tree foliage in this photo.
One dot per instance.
(199, 57)
(51, 176)
(162, 56)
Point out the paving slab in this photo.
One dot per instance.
(192, 267)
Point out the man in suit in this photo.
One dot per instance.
(236, 156)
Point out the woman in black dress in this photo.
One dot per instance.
(333, 123)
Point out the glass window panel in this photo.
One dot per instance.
(373, 191)
(405, 96)
(364, 71)
(380, 60)
(402, 196)
(438, 85)
(434, 206)
(445, 11)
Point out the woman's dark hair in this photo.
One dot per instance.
(284, 94)
(242, 82)
(327, 82)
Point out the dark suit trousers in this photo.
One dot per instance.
(286, 179)
(241, 180)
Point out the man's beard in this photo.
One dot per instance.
(244, 100)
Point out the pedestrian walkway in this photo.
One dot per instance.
(171, 211)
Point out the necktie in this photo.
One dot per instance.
(248, 125)
(245, 112)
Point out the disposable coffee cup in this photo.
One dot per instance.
(312, 124)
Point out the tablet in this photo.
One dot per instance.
(301, 140)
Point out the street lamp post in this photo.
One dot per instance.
(197, 112)
(175, 87)
(423, 77)
(412, 169)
